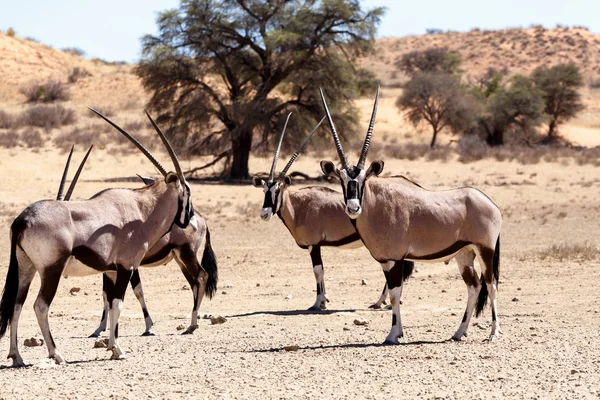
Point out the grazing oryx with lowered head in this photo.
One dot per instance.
(112, 231)
(398, 220)
(315, 217)
(184, 245)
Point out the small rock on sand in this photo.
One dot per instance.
(180, 327)
(33, 342)
(217, 320)
(74, 291)
(101, 344)
(185, 287)
(361, 321)
(288, 297)
(364, 282)
(291, 348)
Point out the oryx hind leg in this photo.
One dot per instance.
(489, 259)
(196, 277)
(115, 301)
(317, 262)
(136, 285)
(394, 276)
(465, 259)
(381, 301)
(49, 277)
(108, 280)
(26, 274)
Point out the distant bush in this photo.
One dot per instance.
(11, 32)
(594, 82)
(10, 139)
(73, 50)
(433, 31)
(32, 39)
(47, 116)
(579, 252)
(51, 90)
(77, 73)
(107, 111)
(32, 139)
(91, 134)
(7, 121)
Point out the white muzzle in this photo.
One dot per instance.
(353, 208)
(266, 214)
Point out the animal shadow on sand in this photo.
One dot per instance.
(288, 313)
(349, 346)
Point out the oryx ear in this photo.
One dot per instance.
(146, 180)
(287, 180)
(328, 168)
(257, 182)
(375, 168)
(172, 179)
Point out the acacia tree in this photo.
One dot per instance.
(434, 59)
(438, 99)
(222, 72)
(559, 86)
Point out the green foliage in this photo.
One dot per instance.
(224, 73)
(559, 86)
(430, 60)
(438, 99)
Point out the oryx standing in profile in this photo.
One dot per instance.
(112, 231)
(183, 245)
(315, 217)
(398, 220)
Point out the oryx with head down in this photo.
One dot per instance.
(183, 245)
(315, 217)
(112, 231)
(399, 220)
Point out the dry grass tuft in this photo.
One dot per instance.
(7, 120)
(77, 73)
(87, 135)
(579, 252)
(47, 92)
(10, 139)
(33, 139)
(47, 116)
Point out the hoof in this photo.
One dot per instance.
(58, 359)
(118, 355)
(190, 330)
(94, 335)
(17, 362)
(492, 338)
(388, 307)
(455, 338)
(314, 308)
(148, 333)
(390, 342)
(375, 306)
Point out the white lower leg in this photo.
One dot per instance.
(14, 345)
(139, 295)
(495, 333)
(396, 331)
(320, 302)
(102, 327)
(464, 325)
(41, 312)
(113, 340)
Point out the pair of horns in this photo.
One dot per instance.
(296, 153)
(336, 138)
(61, 187)
(145, 151)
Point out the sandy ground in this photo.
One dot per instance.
(549, 309)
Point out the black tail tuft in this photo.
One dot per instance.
(482, 299)
(9, 295)
(408, 269)
(496, 265)
(209, 263)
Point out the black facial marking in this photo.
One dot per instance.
(352, 190)
(353, 172)
(394, 276)
(270, 200)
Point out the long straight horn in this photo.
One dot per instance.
(147, 153)
(276, 156)
(61, 186)
(169, 149)
(365, 149)
(76, 177)
(300, 148)
(336, 138)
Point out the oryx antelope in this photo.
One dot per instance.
(112, 231)
(399, 220)
(315, 217)
(182, 244)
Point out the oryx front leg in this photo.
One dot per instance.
(108, 281)
(317, 262)
(115, 301)
(465, 259)
(136, 285)
(49, 277)
(394, 276)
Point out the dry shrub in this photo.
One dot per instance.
(7, 120)
(77, 73)
(32, 139)
(48, 92)
(9, 139)
(408, 151)
(248, 210)
(578, 252)
(107, 111)
(91, 134)
(47, 116)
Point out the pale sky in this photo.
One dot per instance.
(111, 29)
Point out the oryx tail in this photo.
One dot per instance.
(209, 263)
(9, 295)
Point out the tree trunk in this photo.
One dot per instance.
(551, 130)
(495, 137)
(241, 144)
(435, 132)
